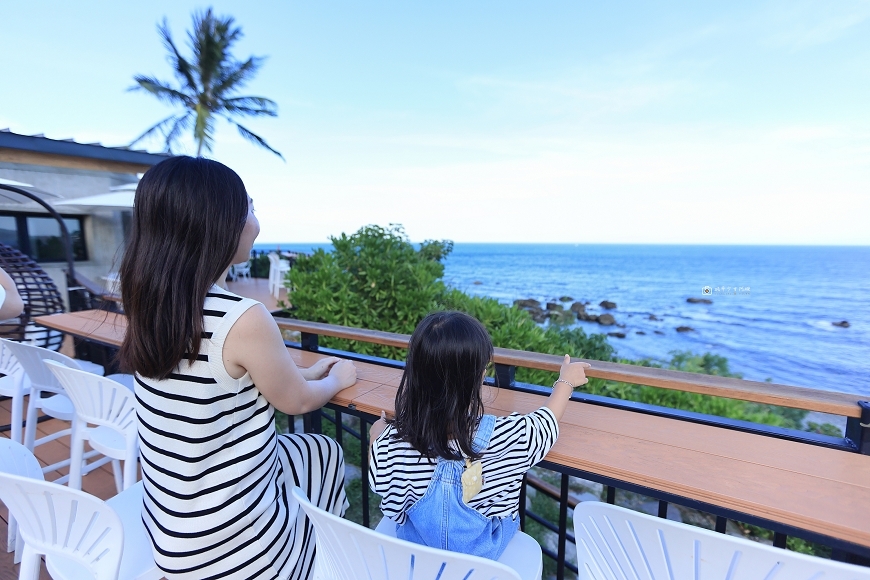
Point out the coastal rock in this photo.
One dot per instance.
(658, 332)
(477, 282)
(606, 320)
(640, 332)
(699, 301)
(561, 316)
(841, 324)
(685, 329)
(565, 299)
(653, 317)
(527, 303)
(587, 317)
(616, 334)
(577, 308)
(554, 306)
(607, 304)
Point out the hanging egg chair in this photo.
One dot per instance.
(40, 296)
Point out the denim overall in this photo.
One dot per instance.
(440, 519)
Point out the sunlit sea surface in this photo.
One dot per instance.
(771, 313)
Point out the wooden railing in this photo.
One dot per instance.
(844, 404)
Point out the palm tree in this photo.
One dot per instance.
(207, 85)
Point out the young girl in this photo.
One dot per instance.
(439, 432)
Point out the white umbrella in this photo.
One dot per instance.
(16, 198)
(114, 200)
(119, 197)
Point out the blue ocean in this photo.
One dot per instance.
(772, 306)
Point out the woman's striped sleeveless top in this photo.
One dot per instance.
(215, 503)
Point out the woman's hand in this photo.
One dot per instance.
(319, 369)
(343, 372)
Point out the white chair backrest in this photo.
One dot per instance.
(98, 400)
(30, 358)
(347, 551)
(9, 365)
(620, 544)
(274, 259)
(17, 459)
(57, 521)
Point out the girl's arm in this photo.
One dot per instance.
(254, 345)
(574, 373)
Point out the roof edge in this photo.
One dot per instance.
(69, 148)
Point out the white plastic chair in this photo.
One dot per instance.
(112, 407)
(277, 269)
(523, 553)
(58, 406)
(615, 543)
(80, 535)
(242, 270)
(14, 386)
(347, 551)
(17, 460)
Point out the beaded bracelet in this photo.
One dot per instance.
(564, 381)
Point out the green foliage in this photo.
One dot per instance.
(824, 429)
(260, 266)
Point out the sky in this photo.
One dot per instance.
(570, 122)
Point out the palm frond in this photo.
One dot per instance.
(153, 129)
(237, 75)
(203, 129)
(183, 69)
(251, 106)
(161, 90)
(181, 124)
(211, 39)
(256, 139)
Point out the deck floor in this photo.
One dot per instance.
(258, 289)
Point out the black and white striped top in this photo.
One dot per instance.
(215, 504)
(400, 474)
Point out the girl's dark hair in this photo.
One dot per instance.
(188, 217)
(439, 398)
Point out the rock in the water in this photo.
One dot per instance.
(565, 299)
(527, 303)
(561, 316)
(578, 307)
(616, 334)
(640, 332)
(685, 329)
(699, 301)
(607, 304)
(658, 332)
(606, 320)
(587, 317)
(653, 317)
(554, 306)
(841, 324)
(477, 282)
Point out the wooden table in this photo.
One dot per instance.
(820, 490)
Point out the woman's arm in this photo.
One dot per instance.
(254, 345)
(12, 306)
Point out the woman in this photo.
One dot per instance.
(210, 369)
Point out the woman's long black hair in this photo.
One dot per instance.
(439, 398)
(188, 216)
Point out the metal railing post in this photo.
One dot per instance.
(309, 342)
(858, 429)
(505, 375)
